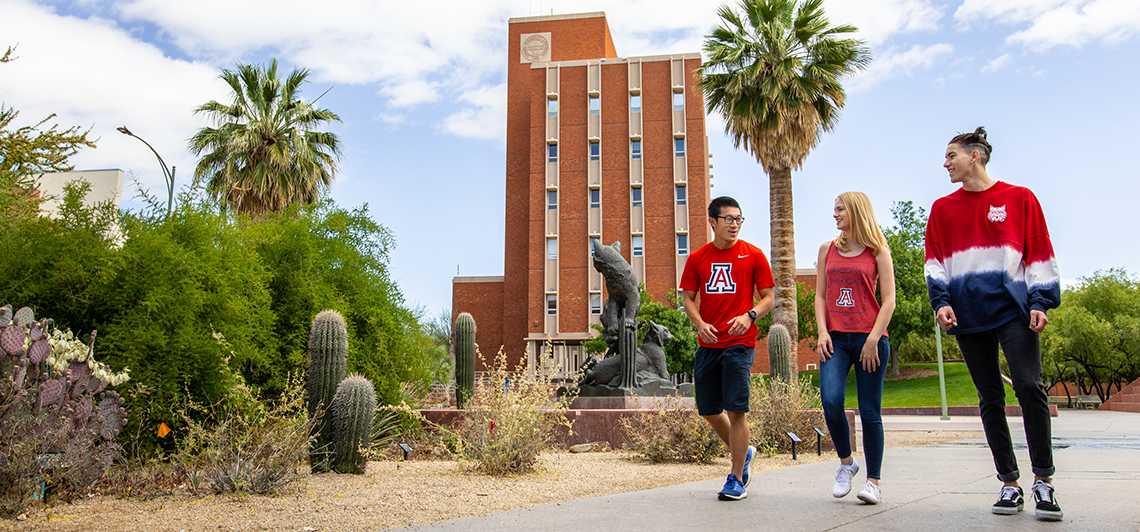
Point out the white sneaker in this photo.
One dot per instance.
(870, 493)
(843, 479)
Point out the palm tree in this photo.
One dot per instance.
(266, 151)
(773, 71)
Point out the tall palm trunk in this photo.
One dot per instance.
(784, 256)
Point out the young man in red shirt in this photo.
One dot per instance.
(721, 282)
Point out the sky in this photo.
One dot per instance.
(422, 97)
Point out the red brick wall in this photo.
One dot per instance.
(484, 301)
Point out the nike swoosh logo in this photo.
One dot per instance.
(742, 256)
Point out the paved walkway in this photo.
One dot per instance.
(947, 487)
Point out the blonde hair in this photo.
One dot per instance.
(862, 227)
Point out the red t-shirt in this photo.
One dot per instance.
(726, 280)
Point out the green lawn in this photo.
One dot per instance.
(922, 391)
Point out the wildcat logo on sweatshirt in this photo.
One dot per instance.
(997, 214)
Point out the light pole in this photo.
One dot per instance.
(167, 172)
(941, 369)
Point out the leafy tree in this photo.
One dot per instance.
(28, 152)
(774, 72)
(266, 150)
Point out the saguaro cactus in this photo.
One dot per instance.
(464, 358)
(780, 353)
(353, 408)
(328, 364)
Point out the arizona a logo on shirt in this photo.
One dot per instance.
(846, 298)
(997, 214)
(720, 281)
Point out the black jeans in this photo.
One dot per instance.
(1023, 353)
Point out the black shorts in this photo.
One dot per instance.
(721, 377)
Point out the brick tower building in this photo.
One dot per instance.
(598, 147)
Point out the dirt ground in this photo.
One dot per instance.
(399, 494)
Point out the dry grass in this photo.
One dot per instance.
(390, 494)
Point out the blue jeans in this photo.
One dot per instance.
(832, 384)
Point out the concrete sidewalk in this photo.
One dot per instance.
(947, 487)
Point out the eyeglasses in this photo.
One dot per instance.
(731, 219)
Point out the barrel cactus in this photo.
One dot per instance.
(464, 358)
(353, 408)
(780, 353)
(328, 364)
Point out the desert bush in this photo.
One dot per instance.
(511, 418)
(778, 408)
(58, 415)
(672, 434)
(247, 446)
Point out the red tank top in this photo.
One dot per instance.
(850, 291)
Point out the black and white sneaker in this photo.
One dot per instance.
(1010, 501)
(1047, 507)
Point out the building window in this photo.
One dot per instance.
(638, 242)
(682, 244)
(595, 304)
(635, 196)
(551, 304)
(679, 147)
(551, 199)
(678, 101)
(595, 104)
(595, 198)
(595, 151)
(635, 149)
(552, 107)
(552, 153)
(635, 103)
(682, 194)
(552, 248)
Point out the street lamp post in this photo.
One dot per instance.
(167, 172)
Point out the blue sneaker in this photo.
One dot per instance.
(747, 477)
(733, 489)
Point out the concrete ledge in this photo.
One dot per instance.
(953, 411)
(596, 425)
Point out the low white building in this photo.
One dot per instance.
(106, 185)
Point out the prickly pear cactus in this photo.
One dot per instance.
(328, 364)
(353, 408)
(464, 358)
(780, 353)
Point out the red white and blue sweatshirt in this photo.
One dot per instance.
(989, 257)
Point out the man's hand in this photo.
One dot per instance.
(823, 346)
(1037, 321)
(739, 325)
(870, 356)
(707, 333)
(946, 317)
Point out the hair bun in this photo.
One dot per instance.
(981, 132)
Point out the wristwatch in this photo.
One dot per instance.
(753, 314)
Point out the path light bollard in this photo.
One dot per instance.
(818, 441)
(795, 439)
(407, 450)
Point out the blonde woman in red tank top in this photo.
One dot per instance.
(852, 324)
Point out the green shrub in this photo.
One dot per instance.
(162, 295)
(511, 418)
(780, 407)
(672, 434)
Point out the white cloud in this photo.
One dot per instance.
(416, 55)
(899, 63)
(996, 64)
(1054, 23)
(486, 116)
(93, 74)
(393, 119)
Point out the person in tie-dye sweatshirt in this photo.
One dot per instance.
(992, 277)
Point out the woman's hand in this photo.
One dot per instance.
(870, 356)
(823, 346)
